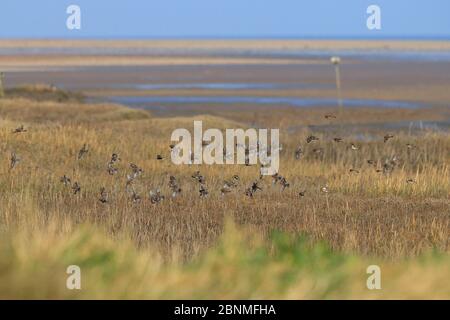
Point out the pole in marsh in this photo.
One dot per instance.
(2, 92)
(337, 61)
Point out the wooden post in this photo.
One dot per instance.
(336, 61)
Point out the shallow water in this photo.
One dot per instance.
(226, 86)
(157, 102)
(365, 54)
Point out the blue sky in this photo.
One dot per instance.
(224, 18)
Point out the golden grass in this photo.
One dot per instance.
(370, 214)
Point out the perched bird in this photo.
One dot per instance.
(156, 196)
(76, 188)
(83, 151)
(330, 116)
(353, 146)
(65, 180)
(103, 195)
(298, 153)
(159, 157)
(371, 162)
(410, 180)
(15, 159)
(337, 139)
(302, 193)
(311, 139)
(387, 137)
(19, 129)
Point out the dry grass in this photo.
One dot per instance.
(369, 213)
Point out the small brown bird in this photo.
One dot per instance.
(103, 195)
(83, 151)
(76, 188)
(174, 187)
(135, 197)
(311, 139)
(115, 158)
(225, 189)
(387, 137)
(354, 171)
(135, 170)
(330, 116)
(197, 176)
(233, 183)
(275, 178)
(15, 159)
(111, 170)
(159, 157)
(284, 184)
(156, 196)
(337, 139)
(65, 180)
(410, 181)
(371, 162)
(203, 191)
(317, 151)
(19, 129)
(298, 153)
(252, 189)
(302, 193)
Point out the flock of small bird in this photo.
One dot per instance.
(229, 186)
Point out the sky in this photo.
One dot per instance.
(225, 19)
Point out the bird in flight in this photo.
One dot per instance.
(387, 137)
(19, 129)
(83, 151)
(311, 139)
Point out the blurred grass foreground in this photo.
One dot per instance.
(33, 265)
